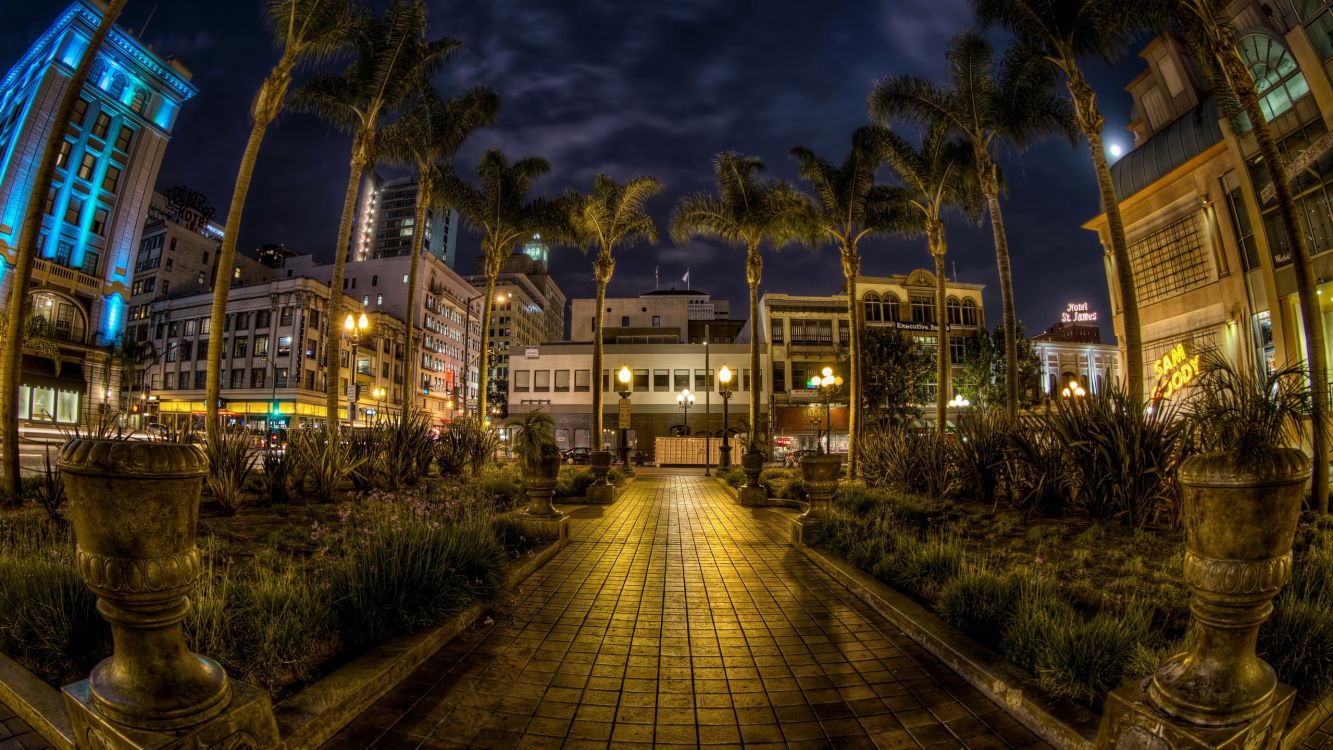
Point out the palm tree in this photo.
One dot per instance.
(393, 58)
(426, 138)
(501, 211)
(1056, 34)
(611, 216)
(848, 207)
(746, 212)
(993, 109)
(1209, 29)
(11, 356)
(938, 176)
(309, 31)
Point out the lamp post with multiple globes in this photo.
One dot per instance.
(827, 383)
(624, 377)
(354, 328)
(1074, 390)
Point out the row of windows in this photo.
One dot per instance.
(1170, 260)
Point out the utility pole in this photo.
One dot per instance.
(708, 402)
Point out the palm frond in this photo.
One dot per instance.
(313, 30)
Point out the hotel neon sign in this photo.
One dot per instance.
(1174, 370)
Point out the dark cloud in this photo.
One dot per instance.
(634, 88)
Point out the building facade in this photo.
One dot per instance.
(805, 334)
(668, 316)
(274, 338)
(94, 208)
(385, 218)
(443, 380)
(555, 378)
(1210, 260)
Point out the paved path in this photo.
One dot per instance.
(17, 735)
(675, 616)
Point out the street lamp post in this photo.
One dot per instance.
(1074, 390)
(624, 377)
(827, 382)
(379, 402)
(684, 400)
(724, 379)
(353, 328)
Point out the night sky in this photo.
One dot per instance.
(631, 88)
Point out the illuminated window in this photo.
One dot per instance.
(111, 180)
(62, 156)
(74, 210)
(891, 307)
(101, 126)
(100, 217)
(1278, 80)
(87, 166)
(123, 138)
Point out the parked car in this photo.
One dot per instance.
(577, 456)
(155, 431)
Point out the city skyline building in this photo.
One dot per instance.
(94, 208)
(385, 218)
(668, 316)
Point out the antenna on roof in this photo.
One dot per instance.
(145, 23)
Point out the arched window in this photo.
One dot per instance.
(139, 99)
(874, 313)
(954, 310)
(1279, 81)
(969, 312)
(891, 309)
(58, 317)
(118, 83)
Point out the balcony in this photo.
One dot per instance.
(46, 273)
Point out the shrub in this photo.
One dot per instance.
(324, 464)
(1121, 457)
(275, 481)
(465, 443)
(368, 449)
(909, 461)
(230, 462)
(48, 488)
(856, 499)
(1038, 468)
(272, 629)
(573, 483)
(616, 476)
(1039, 611)
(1083, 660)
(979, 603)
(982, 452)
(782, 483)
(408, 448)
(408, 573)
(734, 476)
(503, 486)
(923, 567)
(51, 624)
(1297, 641)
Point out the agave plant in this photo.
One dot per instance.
(465, 443)
(408, 449)
(230, 462)
(276, 479)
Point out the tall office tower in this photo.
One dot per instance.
(95, 206)
(385, 221)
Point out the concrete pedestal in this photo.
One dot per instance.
(797, 532)
(753, 496)
(601, 494)
(1131, 722)
(246, 723)
(545, 527)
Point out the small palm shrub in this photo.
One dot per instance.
(275, 482)
(982, 452)
(1038, 468)
(1121, 457)
(408, 449)
(534, 442)
(230, 463)
(466, 443)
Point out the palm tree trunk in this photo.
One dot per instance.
(1010, 320)
(483, 370)
(332, 342)
(267, 105)
(425, 196)
(851, 268)
(1090, 121)
(754, 273)
(1307, 288)
(11, 356)
(935, 238)
(598, 391)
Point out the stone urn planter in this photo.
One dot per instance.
(819, 474)
(752, 463)
(1240, 514)
(600, 464)
(539, 481)
(135, 510)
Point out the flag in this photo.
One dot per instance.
(686, 277)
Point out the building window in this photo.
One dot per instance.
(62, 156)
(562, 381)
(262, 318)
(200, 380)
(365, 299)
(779, 377)
(954, 311)
(111, 180)
(923, 310)
(520, 380)
(237, 379)
(285, 318)
(956, 350)
(239, 347)
(844, 332)
(891, 304)
(1278, 81)
(624, 321)
(74, 210)
(86, 167)
(261, 345)
(661, 380)
(123, 138)
(257, 377)
(703, 382)
(101, 125)
(777, 328)
(582, 381)
(100, 217)
(78, 112)
(640, 381)
(657, 321)
(63, 252)
(200, 280)
(541, 381)
(874, 310)
(969, 313)
(1169, 261)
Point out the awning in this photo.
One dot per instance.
(41, 372)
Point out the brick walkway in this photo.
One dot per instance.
(17, 735)
(676, 616)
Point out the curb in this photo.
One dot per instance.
(983, 669)
(312, 716)
(772, 502)
(38, 704)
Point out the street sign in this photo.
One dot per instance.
(624, 414)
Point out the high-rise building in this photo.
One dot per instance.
(95, 206)
(385, 218)
(529, 309)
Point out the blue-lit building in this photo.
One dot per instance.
(94, 208)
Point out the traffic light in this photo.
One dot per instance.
(277, 412)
